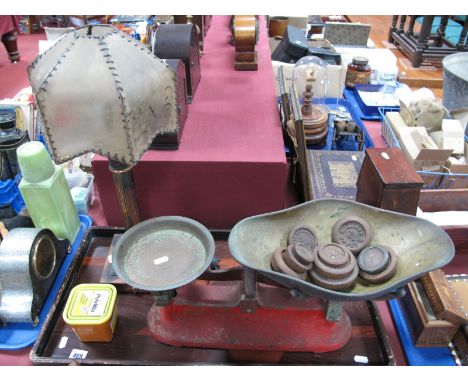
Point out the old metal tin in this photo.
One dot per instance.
(90, 311)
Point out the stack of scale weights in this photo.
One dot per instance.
(337, 265)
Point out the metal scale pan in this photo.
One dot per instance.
(163, 253)
(420, 245)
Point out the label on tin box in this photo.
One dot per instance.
(91, 303)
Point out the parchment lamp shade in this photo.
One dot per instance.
(99, 90)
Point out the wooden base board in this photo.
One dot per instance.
(246, 65)
(246, 56)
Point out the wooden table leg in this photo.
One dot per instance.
(10, 43)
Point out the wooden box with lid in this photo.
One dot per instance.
(387, 180)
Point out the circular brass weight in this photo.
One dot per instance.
(353, 232)
(43, 257)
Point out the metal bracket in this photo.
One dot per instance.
(164, 298)
(333, 310)
(248, 300)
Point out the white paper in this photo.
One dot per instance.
(361, 359)
(78, 354)
(63, 342)
(379, 98)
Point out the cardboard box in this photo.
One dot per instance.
(453, 136)
(455, 167)
(421, 150)
(430, 120)
(397, 123)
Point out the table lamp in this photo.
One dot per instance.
(99, 90)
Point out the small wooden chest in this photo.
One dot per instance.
(180, 41)
(171, 140)
(443, 298)
(387, 180)
(424, 327)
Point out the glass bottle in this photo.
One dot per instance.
(45, 192)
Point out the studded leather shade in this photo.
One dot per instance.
(99, 90)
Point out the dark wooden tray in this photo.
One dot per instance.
(133, 345)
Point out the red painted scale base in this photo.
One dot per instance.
(208, 315)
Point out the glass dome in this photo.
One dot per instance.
(313, 70)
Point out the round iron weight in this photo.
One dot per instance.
(386, 274)
(279, 265)
(334, 255)
(303, 234)
(353, 232)
(373, 259)
(298, 257)
(335, 273)
(335, 284)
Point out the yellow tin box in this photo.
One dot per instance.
(90, 311)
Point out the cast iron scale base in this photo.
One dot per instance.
(233, 311)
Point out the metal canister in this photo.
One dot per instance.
(90, 311)
(455, 81)
(359, 72)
